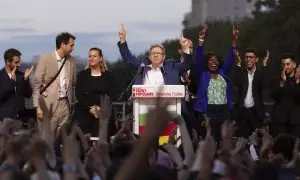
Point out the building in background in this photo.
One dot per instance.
(209, 10)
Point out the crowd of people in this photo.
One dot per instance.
(214, 143)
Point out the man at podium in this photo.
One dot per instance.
(154, 69)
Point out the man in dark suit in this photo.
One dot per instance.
(188, 79)
(250, 81)
(285, 90)
(14, 87)
(156, 70)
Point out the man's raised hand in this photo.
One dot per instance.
(122, 34)
(184, 43)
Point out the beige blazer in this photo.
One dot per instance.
(46, 69)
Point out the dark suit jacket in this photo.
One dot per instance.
(192, 87)
(286, 107)
(171, 69)
(193, 78)
(260, 81)
(12, 94)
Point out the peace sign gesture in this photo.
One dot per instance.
(122, 34)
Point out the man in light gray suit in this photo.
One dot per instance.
(53, 113)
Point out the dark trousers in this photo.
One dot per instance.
(217, 115)
(247, 121)
(192, 121)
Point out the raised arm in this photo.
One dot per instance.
(266, 71)
(187, 63)
(200, 52)
(124, 50)
(231, 55)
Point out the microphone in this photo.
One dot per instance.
(141, 69)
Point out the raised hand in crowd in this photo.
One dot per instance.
(38, 150)
(196, 138)
(70, 154)
(94, 110)
(206, 152)
(125, 132)
(266, 58)
(201, 35)
(241, 162)
(122, 34)
(227, 131)
(157, 119)
(27, 72)
(235, 36)
(292, 163)
(104, 116)
(9, 127)
(98, 157)
(185, 137)
(254, 139)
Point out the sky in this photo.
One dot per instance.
(31, 25)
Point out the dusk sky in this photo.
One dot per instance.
(31, 25)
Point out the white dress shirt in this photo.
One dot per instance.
(249, 101)
(62, 77)
(9, 74)
(154, 77)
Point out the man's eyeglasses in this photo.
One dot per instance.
(156, 53)
(249, 57)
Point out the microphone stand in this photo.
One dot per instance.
(127, 88)
(126, 91)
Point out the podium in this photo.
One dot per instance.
(144, 98)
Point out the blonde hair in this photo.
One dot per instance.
(103, 65)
